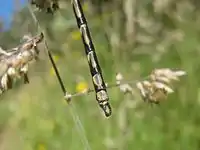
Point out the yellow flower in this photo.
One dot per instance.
(52, 72)
(41, 147)
(55, 58)
(76, 35)
(46, 124)
(81, 86)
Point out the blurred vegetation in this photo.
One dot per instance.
(132, 37)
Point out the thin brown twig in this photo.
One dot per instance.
(108, 86)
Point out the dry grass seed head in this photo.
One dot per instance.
(152, 92)
(158, 87)
(125, 88)
(166, 75)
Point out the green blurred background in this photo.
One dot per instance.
(130, 36)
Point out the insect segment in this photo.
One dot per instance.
(95, 70)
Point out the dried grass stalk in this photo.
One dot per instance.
(156, 88)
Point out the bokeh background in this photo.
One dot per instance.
(132, 37)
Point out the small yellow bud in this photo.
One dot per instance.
(41, 147)
(81, 86)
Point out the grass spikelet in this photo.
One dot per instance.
(125, 88)
(159, 84)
